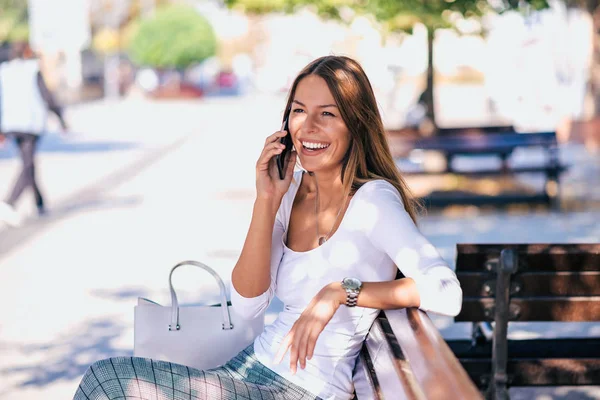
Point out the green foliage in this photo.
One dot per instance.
(175, 37)
(19, 33)
(13, 21)
(258, 6)
(327, 8)
(432, 13)
(395, 14)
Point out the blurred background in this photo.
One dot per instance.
(168, 103)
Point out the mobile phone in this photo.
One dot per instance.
(280, 158)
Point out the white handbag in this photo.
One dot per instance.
(201, 337)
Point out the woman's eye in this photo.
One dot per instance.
(297, 110)
(328, 114)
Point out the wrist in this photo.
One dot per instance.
(337, 293)
(267, 203)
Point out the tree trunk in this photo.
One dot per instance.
(429, 127)
(428, 93)
(595, 72)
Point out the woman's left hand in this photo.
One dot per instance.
(302, 338)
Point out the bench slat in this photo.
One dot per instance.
(565, 309)
(366, 383)
(562, 283)
(492, 143)
(393, 373)
(539, 372)
(532, 257)
(531, 348)
(447, 198)
(431, 360)
(492, 171)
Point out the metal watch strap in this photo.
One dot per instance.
(351, 297)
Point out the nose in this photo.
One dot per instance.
(309, 124)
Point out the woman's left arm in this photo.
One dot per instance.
(430, 283)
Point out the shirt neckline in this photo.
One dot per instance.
(285, 246)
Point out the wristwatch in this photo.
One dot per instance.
(352, 287)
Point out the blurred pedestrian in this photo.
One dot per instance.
(24, 103)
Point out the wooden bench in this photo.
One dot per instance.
(404, 357)
(538, 282)
(501, 144)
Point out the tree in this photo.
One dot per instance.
(113, 21)
(13, 21)
(175, 37)
(402, 15)
(593, 8)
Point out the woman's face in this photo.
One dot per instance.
(318, 131)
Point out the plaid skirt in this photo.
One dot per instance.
(243, 377)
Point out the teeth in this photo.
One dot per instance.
(314, 145)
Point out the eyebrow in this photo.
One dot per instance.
(321, 106)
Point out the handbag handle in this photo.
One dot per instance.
(174, 325)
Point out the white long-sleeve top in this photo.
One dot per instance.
(375, 235)
(22, 106)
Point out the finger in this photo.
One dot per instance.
(269, 147)
(291, 164)
(283, 348)
(302, 345)
(294, 357)
(312, 342)
(273, 145)
(298, 347)
(269, 152)
(275, 136)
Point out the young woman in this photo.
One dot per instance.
(327, 240)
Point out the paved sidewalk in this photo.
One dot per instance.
(143, 185)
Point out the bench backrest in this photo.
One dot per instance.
(466, 143)
(548, 282)
(405, 357)
(461, 130)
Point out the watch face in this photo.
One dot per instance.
(352, 283)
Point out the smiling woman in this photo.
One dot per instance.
(327, 240)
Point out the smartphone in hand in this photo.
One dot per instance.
(280, 158)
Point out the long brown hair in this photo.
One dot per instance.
(368, 157)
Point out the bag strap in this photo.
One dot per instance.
(227, 325)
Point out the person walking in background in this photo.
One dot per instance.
(24, 103)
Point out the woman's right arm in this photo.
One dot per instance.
(253, 276)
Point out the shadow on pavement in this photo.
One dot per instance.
(12, 237)
(66, 358)
(91, 194)
(54, 143)
(130, 293)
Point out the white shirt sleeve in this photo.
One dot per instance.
(391, 230)
(250, 308)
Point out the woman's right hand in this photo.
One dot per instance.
(268, 184)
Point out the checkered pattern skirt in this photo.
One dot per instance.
(243, 377)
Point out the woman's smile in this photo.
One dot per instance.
(313, 148)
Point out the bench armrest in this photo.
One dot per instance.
(405, 357)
